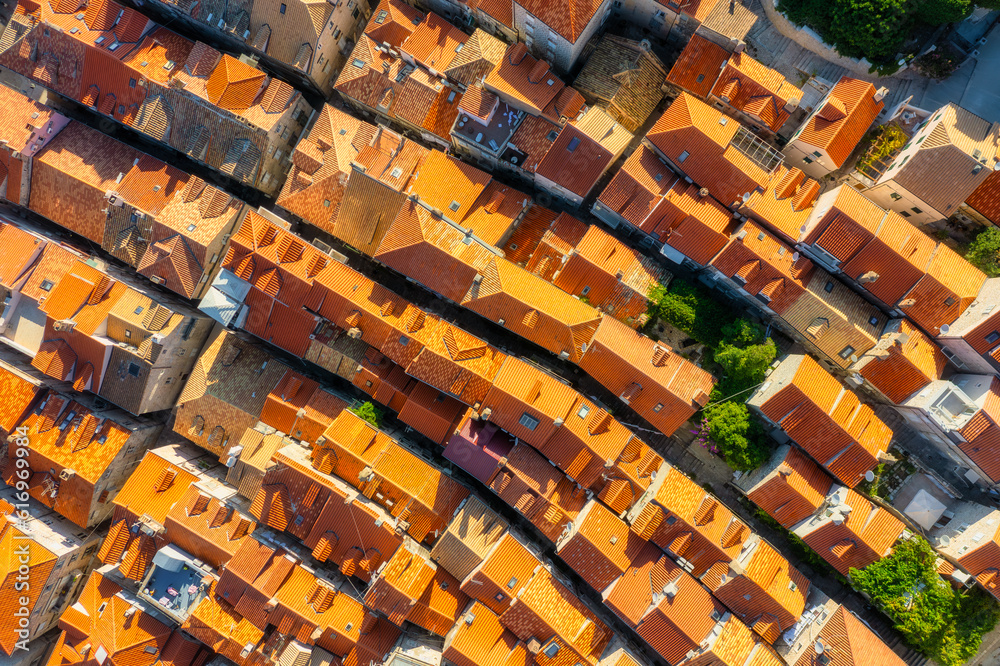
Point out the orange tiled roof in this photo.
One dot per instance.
(65, 435)
(827, 420)
(525, 80)
(765, 267)
(546, 609)
(704, 133)
(668, 608)
(864, 537)
(543, 494)
(570, 19)
(40, 563)
(98, 622)
(765, 591)
(600, 547)
(703, 531)
(982, 434)
(793, 490)
(850, 642)
(756, 90)
(903, 362)
(574, 161)
(393, 21)
(533, 308)
(434, 43)
(950, 286)
(698, 66)
(786, 204)
(838, 125)
(986, 198)
(481, 639)
(657, 383)
(498, 579)
(152, 489)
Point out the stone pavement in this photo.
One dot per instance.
(976, 84)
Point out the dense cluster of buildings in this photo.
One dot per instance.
(186, 375)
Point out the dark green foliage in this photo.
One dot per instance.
(368, 412)
(984, 252)
(945, 625)
(739, 436)
(938, 12)
(872, 29)
(741, 332)
(742, 354)
(692, 309)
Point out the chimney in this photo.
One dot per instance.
(908, 303)
(870, 276)
(881, 93)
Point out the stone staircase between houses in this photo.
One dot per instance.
(768, 44)
(810, 64)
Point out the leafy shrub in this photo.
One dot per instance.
(945, 625)
(741, 332)
(740, 438)
(368, 412)
(692, 309)
(939, 12)
(872, 29)
(984, 252)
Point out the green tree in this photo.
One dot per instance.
(742, 332)
(741, 440)
(744, 367)
(872, 29)
(946, 625)
(984, 252)
(368, 412)
(938, 12)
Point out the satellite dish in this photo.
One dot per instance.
(945, 328)
(819, 647)
(869, 476)
(795, 256)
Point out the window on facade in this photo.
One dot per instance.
(683, 156)
(355, 13)
(336, 33)
(528, 421)
(807, 160)
(846, 351)
(895, 197)
(904, 213)
(916, 210)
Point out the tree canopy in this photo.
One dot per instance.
(984, 252)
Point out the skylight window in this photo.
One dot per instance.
(380, 19)
(396, 173)
(99, 40)
(454, 206)
(169, 65)
(358, 63)
(192, 227)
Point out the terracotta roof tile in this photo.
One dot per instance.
(546, 608)
(903, 362)
(839, 132)
(668, 608)
(666, 393)
(705, 135)
(600, 547)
